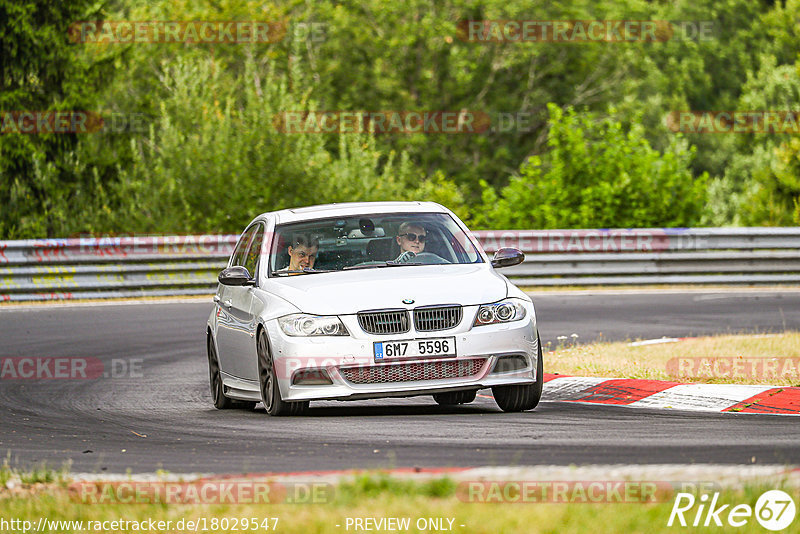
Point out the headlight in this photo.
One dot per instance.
(300, 324)
(499, 312)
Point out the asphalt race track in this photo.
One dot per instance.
(162, 417)
(623, 315)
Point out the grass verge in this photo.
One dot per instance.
(380, 496)
(41, 474)
(768, 359)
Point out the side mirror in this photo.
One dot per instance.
(236, 276)
(506, 257)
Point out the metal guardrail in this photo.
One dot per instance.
(651, 256)
(62, 269)
(81, 268)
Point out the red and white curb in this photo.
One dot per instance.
(637, 393)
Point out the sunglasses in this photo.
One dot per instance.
(413, 237)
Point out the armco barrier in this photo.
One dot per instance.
(77, 268)
(651, 256)
(63, 269)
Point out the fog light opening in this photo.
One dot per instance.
(311, 377)
(513, 362)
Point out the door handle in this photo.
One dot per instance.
(228, 303)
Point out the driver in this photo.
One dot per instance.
(411, 238)
(302, 253)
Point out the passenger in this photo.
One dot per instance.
(411, 238)
(302, 253)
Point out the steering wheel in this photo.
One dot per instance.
(429, 258)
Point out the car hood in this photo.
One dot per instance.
(348, 292)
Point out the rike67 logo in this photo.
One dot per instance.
(774, 510)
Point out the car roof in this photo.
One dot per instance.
(348, 209)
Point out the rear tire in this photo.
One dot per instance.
(268, 382)
(455, 397)
(522, 398)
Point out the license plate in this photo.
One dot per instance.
(440, 347)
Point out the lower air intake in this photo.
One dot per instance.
(409, 372)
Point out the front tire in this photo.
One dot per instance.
(221, 402)
(525, 397)
(455, 397)
(268, 382)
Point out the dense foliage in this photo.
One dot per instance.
(578, 136)
(598, 175)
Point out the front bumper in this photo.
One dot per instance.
(349, 361)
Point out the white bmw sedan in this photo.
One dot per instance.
(369, 300)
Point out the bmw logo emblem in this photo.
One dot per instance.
(408, 301)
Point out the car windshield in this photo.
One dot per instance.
(369, 242)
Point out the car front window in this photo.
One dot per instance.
(371, 241)
(238, 257)
(254, 252)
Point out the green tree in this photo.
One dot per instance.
(40, 188)
(214, 157)
(758, 187)
(211, 146)
(598, 174)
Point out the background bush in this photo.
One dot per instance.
(596, 150)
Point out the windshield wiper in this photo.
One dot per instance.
(303, 271)
(380, 265)
(402, 263)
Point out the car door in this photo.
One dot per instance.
(247, 358)
(236, 332)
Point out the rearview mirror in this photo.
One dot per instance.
(236, 276)
(506, 257)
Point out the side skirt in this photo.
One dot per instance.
(240, 389)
